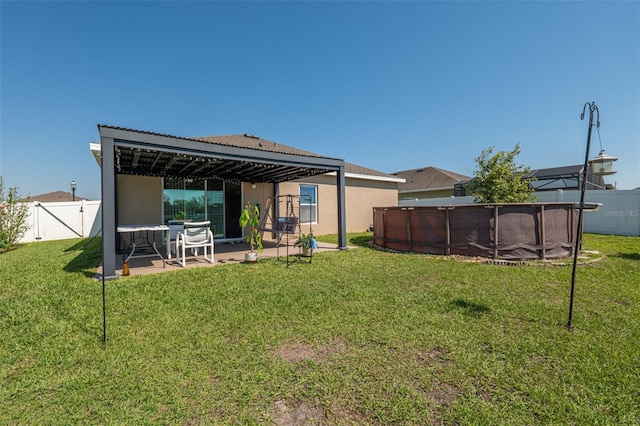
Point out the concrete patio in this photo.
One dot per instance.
(224, 253)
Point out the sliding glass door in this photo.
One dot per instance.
(198, 200)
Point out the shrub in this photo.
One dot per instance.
(14, 212)
(498, 179)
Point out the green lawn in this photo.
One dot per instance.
(357, 337)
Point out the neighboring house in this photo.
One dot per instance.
(150, 178)
(54, 197)
(427, 182)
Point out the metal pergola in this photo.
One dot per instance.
(134, 152)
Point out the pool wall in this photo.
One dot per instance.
(498, 231)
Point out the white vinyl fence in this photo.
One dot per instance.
(618, 214)
(63, 220)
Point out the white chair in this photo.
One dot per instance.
(194, 236)
(175, 227)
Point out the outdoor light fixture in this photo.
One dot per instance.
(73, 190)
(601, 165)
(253, 185)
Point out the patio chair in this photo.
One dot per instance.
(195, 235)
(175, 227)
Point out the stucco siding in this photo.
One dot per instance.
(361, 199)
(361, 196)
(139, 202)
(258, 196)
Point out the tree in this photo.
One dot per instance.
(498, 179)
(14, 213)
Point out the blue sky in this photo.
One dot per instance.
(385, 85)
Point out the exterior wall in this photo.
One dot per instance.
(257, 195)
(139, 202)
(361, 196)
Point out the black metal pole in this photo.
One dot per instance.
(578, 242)
(104, 310)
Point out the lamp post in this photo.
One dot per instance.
(73, 190)
(601, 165)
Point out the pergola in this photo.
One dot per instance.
(134, 152)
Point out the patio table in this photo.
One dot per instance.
(139, 241)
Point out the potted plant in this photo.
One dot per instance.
(307, 242)
(251, 217)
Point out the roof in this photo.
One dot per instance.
(56, 196)
(241, 157)
(426, 178)
(257, 143)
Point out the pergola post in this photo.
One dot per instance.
(108, 176)
(342, 217)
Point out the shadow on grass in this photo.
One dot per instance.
(88, 258)
(628, 256)
(470, 309)
(361, 240)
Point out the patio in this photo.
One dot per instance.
(149, 158)
(224, 253)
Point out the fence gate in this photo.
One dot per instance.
(62, 220)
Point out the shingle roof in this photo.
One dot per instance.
(255, 142)
(359, 170)
(428, 178)
(56, 196)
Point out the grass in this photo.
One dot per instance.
(357, 337)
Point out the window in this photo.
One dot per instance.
(308, 203)
(183, 199)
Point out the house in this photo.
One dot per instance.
(56, 196)
(149, 178)
(427, 182)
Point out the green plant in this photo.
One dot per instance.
(181, 215)
(251, 217)
(498, 179)
(14, 212)
(305, 241)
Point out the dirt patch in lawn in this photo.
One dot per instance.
(298, 414)
(296, 352)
